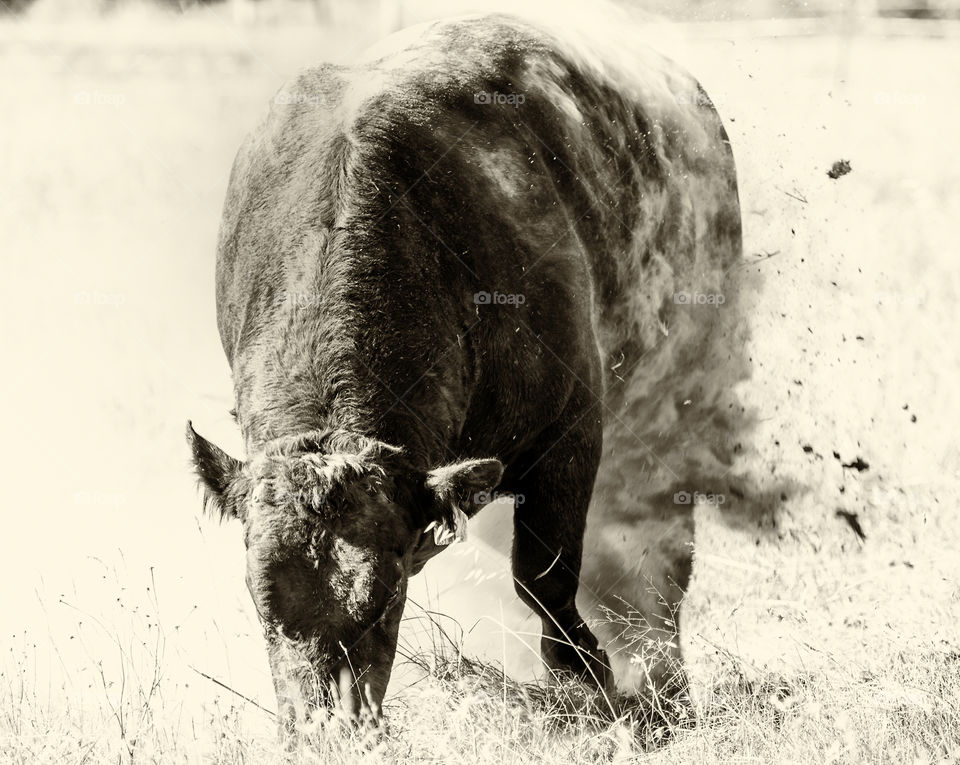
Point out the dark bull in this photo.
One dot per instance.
(382, 403)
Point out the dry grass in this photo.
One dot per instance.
(465, 710)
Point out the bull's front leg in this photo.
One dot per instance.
(552, 487)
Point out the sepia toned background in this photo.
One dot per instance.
(121, 602)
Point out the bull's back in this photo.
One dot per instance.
(581, 160)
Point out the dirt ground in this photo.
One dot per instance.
(117, 142)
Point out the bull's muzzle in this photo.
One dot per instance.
(354, 699)
(308, 699)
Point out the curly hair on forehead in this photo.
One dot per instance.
(310, 473)
(308, 483)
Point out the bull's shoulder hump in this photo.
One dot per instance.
(521, 54)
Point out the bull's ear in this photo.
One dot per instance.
(218, 473)
(468, 484)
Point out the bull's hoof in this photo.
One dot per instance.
(599, 671)
(579, 655)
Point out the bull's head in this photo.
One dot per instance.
(334, 526)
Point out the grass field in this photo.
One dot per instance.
(123, 609)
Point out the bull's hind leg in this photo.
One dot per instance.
(552, 487)
(638, 555)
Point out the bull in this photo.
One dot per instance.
(458, 267)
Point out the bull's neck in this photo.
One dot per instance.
(349, 367)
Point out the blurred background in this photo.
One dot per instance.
(404, 11)
(120, 123)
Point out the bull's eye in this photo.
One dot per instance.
(373, 488)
